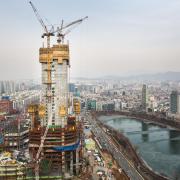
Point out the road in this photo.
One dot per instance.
(108, 144)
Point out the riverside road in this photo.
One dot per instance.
(106, 143)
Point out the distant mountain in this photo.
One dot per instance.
(167, 76)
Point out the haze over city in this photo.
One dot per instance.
(119, 38)
(98, 97)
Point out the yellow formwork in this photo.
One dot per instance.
(32, 108)
(41, 111)
(77, 106)
(58, 52)
(62, 111)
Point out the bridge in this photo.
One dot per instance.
(146, 132)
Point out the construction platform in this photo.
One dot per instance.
(62, 149)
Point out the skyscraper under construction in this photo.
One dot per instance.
(55, 135)
(62, 144)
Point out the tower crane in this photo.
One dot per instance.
(61, 33)
(67, 28)
(47, 33)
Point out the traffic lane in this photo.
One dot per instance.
(123, 162)
(133, 173)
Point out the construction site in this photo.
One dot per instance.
(55, 133)
(47, 145)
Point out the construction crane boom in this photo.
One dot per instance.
(47, 32)
(75, 22)
(38, 17)
(61, 34)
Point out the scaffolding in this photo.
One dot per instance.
(54, 136)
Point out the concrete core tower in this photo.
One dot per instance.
(62, 146)
(55, 84)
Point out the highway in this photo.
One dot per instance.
(108, 144)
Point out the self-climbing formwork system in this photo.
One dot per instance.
(51, 121)
(55, 134)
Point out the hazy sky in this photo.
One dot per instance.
(120, 37)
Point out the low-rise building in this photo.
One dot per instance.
(10, 168)
(6, 106)
(15, 133)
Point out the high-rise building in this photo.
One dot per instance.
(144, 98)
(175, 102)
(1, 88)
(9, 87)
(62, 144)
(72, 87)
(56, 132)
(55, 84)
(91, 104)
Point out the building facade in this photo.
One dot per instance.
(144, 100)
(175, 102)
(6, 106)
(62, 145)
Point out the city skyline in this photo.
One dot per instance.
(139, 37)
(101, 103)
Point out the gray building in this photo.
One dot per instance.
(175, 102)
(144, 101)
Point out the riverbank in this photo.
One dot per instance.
(130, 152)
(155, 119)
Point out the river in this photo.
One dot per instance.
(159, 147)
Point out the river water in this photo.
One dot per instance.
(159, 147)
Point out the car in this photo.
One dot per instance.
(95, 154)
